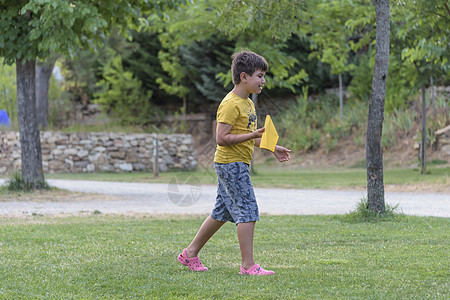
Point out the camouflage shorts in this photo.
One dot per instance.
(235, 201)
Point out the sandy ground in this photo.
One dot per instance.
(87, 197)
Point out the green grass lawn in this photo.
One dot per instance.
(284, 177)
(314, 257)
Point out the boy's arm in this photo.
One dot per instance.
(257, 142)
(281, 153)
(225, 138)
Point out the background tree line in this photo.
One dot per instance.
(180, 57)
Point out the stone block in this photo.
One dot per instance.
(126, 167)
(99, 149)
(139, 167)
(70, 151)
(82, 153)
(90, 168)
(80, 164)
(446, 149)
(118, 154)
(105, 167)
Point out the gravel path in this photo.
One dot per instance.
(153, 198)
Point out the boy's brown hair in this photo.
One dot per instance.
(248, 62)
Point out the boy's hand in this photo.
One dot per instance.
(259, 132)
(281, 153)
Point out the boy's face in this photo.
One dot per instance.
(255, 82)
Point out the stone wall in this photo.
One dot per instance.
(443, 140)
(102, 152)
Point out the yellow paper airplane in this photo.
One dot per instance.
(269, 138)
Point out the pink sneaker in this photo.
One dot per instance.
(255, 270)
(193, 263)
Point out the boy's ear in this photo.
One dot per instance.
(243, 76)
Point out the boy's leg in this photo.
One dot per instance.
(245, 233)
(206, 231)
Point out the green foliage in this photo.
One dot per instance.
(140, 56)
(310, 122)
(82, 73)
(361, 82)
(278, 18)
(437, 162)
(64, 26)
(389, 135)
(204, 31)
(15, 183)
(183, 51)
(334, 41)
(419, 38)
(318, 73)
(171, 64)
(192, 69)
(426, 34)
(121, 95)
(430, 138)
(400, 86)
(404, 119)
(58, 103)
(301, 125)
(8, 91)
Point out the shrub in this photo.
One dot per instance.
(362, 213)
(404, 120)
(121, 95)
(15, 183)
(389, 134)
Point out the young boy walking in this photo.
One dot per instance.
(236, 137)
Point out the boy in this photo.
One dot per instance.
(236, 137)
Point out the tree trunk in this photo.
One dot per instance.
(433, 97)
(43, 74)
(423, 152)
(30, 142)
(341, 97)
(374, 151)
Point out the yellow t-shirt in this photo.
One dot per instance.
(240, 113)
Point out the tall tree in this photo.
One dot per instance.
(34, 29)
(374, 151)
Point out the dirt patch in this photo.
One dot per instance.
(56, 196)
(347, 154)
